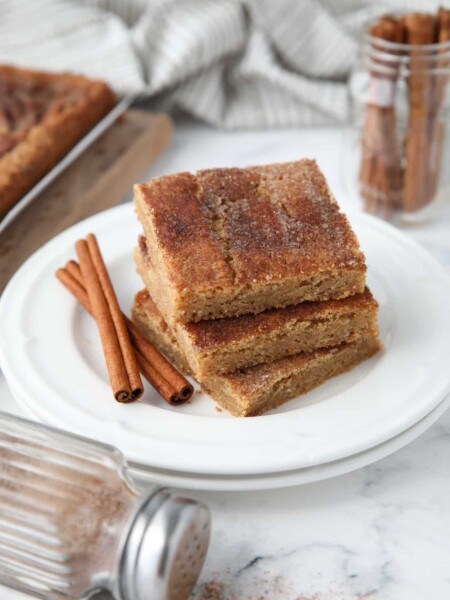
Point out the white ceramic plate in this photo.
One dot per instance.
(51, 357)
(144, 474)
(281, 479)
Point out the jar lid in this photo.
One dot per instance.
(165, 548)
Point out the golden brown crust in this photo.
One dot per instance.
(249, 230)
(42, 115)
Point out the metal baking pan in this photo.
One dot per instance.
(68, 159)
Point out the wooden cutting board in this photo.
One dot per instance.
(97, 180)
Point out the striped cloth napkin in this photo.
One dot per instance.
(232, 63)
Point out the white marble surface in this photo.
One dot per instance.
(381, 533)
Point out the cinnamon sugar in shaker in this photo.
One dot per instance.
(71, 522)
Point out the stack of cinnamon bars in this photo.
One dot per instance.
(255, 282)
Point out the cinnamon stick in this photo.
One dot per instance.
(437, 127)
(160, 373)
(420, 29)
(443, 35)
(159, 368)
(124, 376)
(77, 290)
(381, 171)
(129, 358)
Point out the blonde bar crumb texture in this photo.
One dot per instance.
(226, 242)
(224, 345)
(256, 390)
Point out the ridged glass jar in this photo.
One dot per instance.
(71, 522)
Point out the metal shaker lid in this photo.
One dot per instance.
(165, 548)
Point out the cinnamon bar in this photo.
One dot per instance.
(42, 115)
(226, 242)
(256, 390)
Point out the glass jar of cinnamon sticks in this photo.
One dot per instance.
(400, 107)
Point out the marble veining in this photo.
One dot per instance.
(378, 533)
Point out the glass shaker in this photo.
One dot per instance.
(399, 145)
(71, 522)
